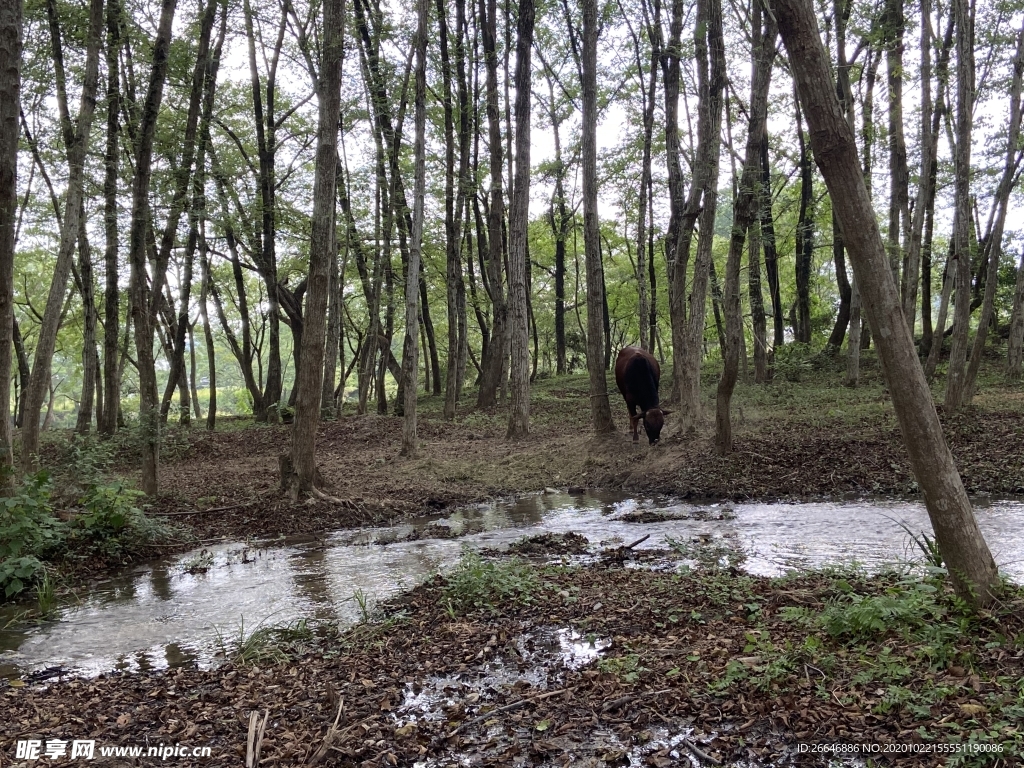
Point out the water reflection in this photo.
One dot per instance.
(171, 613)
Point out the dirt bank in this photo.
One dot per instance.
(604, 663)
(790, 443)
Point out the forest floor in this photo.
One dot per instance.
(805, 439)
(612, 658)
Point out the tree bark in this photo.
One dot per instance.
(804, 238)
(762, 56)
(771, 258)
(519, 220)
(90, 360)
(412, 278)
(702, 201)
(143, 306)
(1015, 342)
(76, 140)
(211, 351)
(600, 408)
(455, 201)
(111, 162)
(970, 564)
(956, 377)
(912, 272)
(10, 101)
(993, 241)
(204, 76)
(309, 375)
(494, 356)
(756, 299)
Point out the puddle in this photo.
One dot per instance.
(170, 613)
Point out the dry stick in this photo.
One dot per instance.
(638, 542)
(329, 737)
(699, 753)
(204, 511)
(348, 504)
(509, 708)
(254, 743)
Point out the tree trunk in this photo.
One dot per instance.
(111, 161)
(10, 101)
(519, 215)
(912, 272)
(600, 408)
(956, 377)
(211, 356)
(76, 141)
(203, 84)
(455, 201)
(993, 241)
(143, 307)
(1015, 342)
(899, 174)
(89, 358)
(762, 57)
(841, 15)
(804, 238)
(935, 352)
(702, 201)
(757, 305)
(412, 279)
(970, 564)
(309, 375)
(771, 258)
(192, 372)
(495, 355)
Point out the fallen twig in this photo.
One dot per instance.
(204, 511)
(329, 737)
(637, 542)
(699, 753)
(346, 503)
(254, 742)
(509, 708)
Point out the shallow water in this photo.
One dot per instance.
(159, 615)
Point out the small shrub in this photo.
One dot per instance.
(112, 524)
(28, 533)
(484, 584)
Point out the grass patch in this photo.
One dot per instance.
(477, 584)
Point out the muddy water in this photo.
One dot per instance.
(179, 611)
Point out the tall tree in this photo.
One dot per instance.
(10, 101)
(701, 206)
(412, 277)
(992, 242)
(956, 377)
(455, 200)
(111, 230)
(76, 141)
(519, 414)
(145, 299)
(762, 56)
(970, 564)
(804, 237)
(309, 376)
(494, 357)
(600, 408)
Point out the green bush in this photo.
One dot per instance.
(28, 533)
(484, 584)
(112, 522)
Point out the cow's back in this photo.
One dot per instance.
(637, 374)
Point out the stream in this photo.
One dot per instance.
(181, 610)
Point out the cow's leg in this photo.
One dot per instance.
(634, 422)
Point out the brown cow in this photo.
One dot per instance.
(637, 373)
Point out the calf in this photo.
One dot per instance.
(637, 373)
